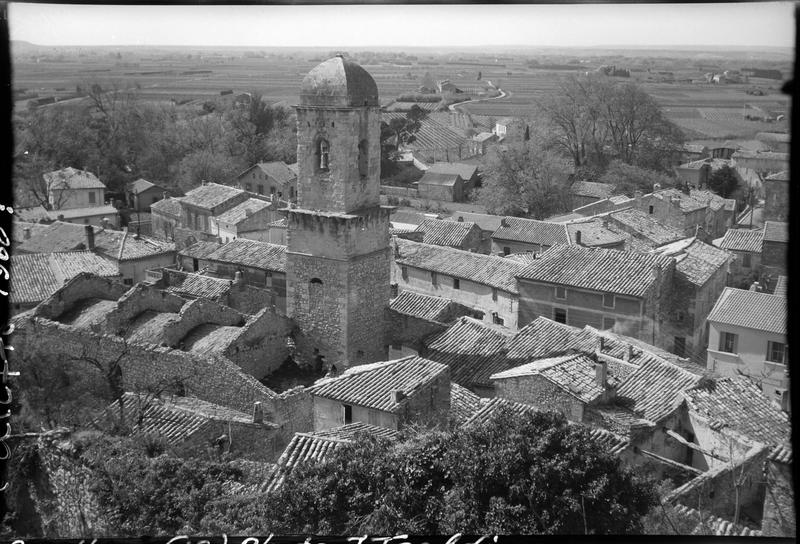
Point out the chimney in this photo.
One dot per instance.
(503, 222)
(656, 187)
(601, 343)
(397, 396)
(460, 218)
(578, 238)
(628, 354)
(105, 223)
(27, 233)
(258, 413)
(164, 195)
(89, 237)
(601, 373)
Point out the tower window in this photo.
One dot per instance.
(362, 159)
(315, 295)
(323, 151)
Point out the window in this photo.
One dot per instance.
(506, 250)
(315, 295)
(433, 278)
(248, 186)
(323, 152)
(92, 197)
(494, 294)
(260, 189)
(650, 210)
(268, 279)
(195, 265)
(373, 417)
(362, 159)
(496, 319)
(727, 342)
(348, 413)
(560, 315)
(679, 346)
(86, 220)
(746, 258)
(456, 283)
(404, 273)
(608, 323)
(128, 281)
(608, 300)
(393, 291)
(776, 352)
(561, 292)
(272, 191)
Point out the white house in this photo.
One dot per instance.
(70, 188)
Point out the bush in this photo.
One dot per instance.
(392, 200)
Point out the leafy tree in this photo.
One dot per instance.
(724, 181)
(629, 179)
(524, 180)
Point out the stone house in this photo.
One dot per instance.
(165, 217)
(622, 291)
(597, 232)
(693, 152)
(482, 282)
(687, 212)
(486, 222)
(250, 219)
(610, 204)
(202, 203)
(467, 172)
(517, 235)
(776, 197)
(587, 192)
(745, 245)
(70, 188)
(197, 428)
(774, 251)
(260, 264)
(701, 273)
(448, 187)
(695, 172)
(465, 236)
(141, 194)
(388, 394)
(748, 336)
(274, 178)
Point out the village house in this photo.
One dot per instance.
(517, 235)
(437, 139)
(701, 273)
(774, 251)
(446, 186)
(465, 236)
(745, 245)
(260, 264)
(748, 336)
(692, 152)
(776, 196)
(623, 291)
(597, 232)
(165, 217)
(250, 219)
(389, 394)
(275, 179)
(141, 194)
(587, 192)
(511, 129)
(132, 255)
(70, 188)
(605, 205)
(686, 212)
(482, 282)
(467, 172)
(210, 199)
(486, 222)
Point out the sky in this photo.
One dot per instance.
(359, 25)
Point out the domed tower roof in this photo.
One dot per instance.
(339, 82)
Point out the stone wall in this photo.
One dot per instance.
(779, 517)
(406, 330)
(367, 302)
(429, 405)
(440, 192)
(540, 392)
(260, 348)
(79, 288)
(774, 258)
(247, 441)
(251, 300)
(776, 200)
(405, 192)
(139, 299)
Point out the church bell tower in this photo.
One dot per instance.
(337, 267)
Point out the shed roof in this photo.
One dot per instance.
(743, 240)
(750, 309)
(210, 195)
(240, 212)
(466, 171)
(251, 254)
(277, 170)
(422, 306)
(776, 231)
(654, 390)
(531, 231)
(592, 189)
(444, 179)
(485, 221)
(72, 178)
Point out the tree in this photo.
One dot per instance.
(524, 180)
(628, 179)
(724, 181)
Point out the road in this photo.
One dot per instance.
(452, 107)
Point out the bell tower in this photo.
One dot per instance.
(337, 266)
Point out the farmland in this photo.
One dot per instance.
(178, 75)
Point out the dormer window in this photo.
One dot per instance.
(323, 152)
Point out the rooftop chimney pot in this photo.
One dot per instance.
(89, 230)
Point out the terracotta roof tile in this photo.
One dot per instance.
(422, 306)
(445, 233)
(485, 269)
(646, 226)
(743, 240)
(36, 276)
(714, 525)
(466, 171)
(697, 261)
(781, 287)
(72, 178)
(493, 405)
(238, 213)
(654, 390)
(614, 443)
(210, 195)
(200, 250)
(485, 221)
(139, 186)
(750, 309)
(371, 385)
(167, 206)
(251, 253)
(278, 170)
(782, 453)
(622, 272)
(540, 338)
(197, 286)
(531, 231)
(592, 189)
(594, 233)
(738, 404)
(433, 178)
(463, 404)
(775, 231)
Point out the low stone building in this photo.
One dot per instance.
(274, 179)
(141, 194)
(165, 217)
(210, 199)
(448, 187)
(774, 251)
(517, 235)
(467, 172)
(587, 192)
(686, 212)
(250, 219)
(388, 394)
(745, 245)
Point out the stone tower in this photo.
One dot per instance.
(337, 266)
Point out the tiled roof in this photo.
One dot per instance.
(140, 186)
(532, 231)
(646, 226)
(750, 309)
(316, 447)
(782, 453)
(445, 233)
(773, 155)
(463, 404)
(485, 269)
(695, 260)
(563, 218)
(614, 443)
(738, 404)
(371, 385)
(490, 407)
(168, 206)
(742, 240)
(278, 170)
(200, 250)
(775, 231)
(79, 213)
(431, 178)
(432, 133)
(410, 218)
(594, 234)
(418, 305)
(781, 287)
(524, 258)
(36, 276)
(592, 189)
(654, 390)
(18, 234)
(575, 374)
(541, 337)
(251, 253)
(72, 178)
(466, 171)
(709, 524)
(607, 270)
(34, 214)
(197, 286)
(694, 148)
(485, 221)
(210, 195)
(472, 349)
(239, 212)
(713, 200)
(687, 203)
